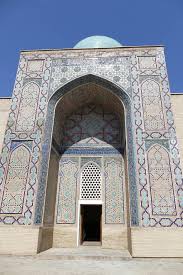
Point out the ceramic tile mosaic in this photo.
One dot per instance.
(17, 176)
(152, 106)
(91, 126)
(67, 186)
(28, 108)
(160, 181)
(147, 62)
(138, 78)
(35, 65)
(114, 176)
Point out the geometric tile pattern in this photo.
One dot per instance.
(163, 142)
(160, 180)
(122, 72)
(67, 184)
(35, 65)
(91, 125)
(147, 219)
(25, 217)
(114, 190)
(33, 138)
(152, 106)
(90, 178)
(48, 136)
(147, 62)
(71, 68)
(13, 196)
(28, 107)
(96, 160)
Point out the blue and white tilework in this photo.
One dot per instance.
(138, 77)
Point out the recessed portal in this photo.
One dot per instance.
(90, 141)
(91, 223)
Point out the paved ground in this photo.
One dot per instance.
(11, 265)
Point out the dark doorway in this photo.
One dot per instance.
(91, 223)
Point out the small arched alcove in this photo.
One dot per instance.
(89, 131)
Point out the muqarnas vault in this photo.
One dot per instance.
(90, 153)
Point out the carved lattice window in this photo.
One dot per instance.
(91, 182)
(13, 197)
(28, 107)
(152, 106)
(161, 183)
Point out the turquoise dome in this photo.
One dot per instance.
(97, 41)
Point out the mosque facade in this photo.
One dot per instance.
(90, 153)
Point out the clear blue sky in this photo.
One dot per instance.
(35, 24)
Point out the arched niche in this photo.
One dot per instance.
(14, 192)
(161, 181)
(123, 106)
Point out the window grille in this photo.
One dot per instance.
(91, 182)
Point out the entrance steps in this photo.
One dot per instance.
(85, 253)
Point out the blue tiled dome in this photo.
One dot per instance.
(97, 41)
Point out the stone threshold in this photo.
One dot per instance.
(85, 253)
